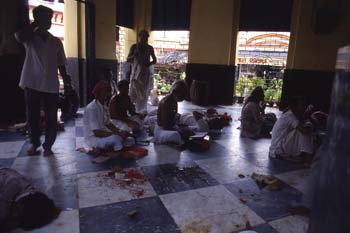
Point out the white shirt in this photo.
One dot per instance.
(282, 127)
(96, 117)
(40, 66)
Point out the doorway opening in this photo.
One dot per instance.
(171, 49)
(261, 60)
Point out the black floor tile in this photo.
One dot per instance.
(269, 205)
(264, 228)
(152, 217)
(170, 178)
(7, 136)
(6, 162)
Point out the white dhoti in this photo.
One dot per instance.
(122, 125)
(296, 143)
(164, 136)
(199, 126)
(151, 117)
(107, 142)
(139, 86)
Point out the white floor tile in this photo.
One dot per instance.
(67, 222)
(291, 224)
(160, 154)
(10, 149)
(240, 145)
(97, 188)
(212, 209)
(45, 167)
(80, 143)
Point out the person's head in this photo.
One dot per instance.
(297, 106)
(102, 91)
(42, 16)
(123, 87)
(256, 95)
(143, 35)
(35, 210)
(179, 90)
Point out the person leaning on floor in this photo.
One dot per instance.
(44, 55)
(21, 204)
(99, 132)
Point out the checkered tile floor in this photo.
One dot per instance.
(206, 199)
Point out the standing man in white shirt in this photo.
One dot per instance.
(44, 55)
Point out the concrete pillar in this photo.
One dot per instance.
(212, 29)
(312, 55)
(143, 19)
(75, 45)
(13, 16)
(105, 38)
(331, 203)
(143, 15)
(213, 38)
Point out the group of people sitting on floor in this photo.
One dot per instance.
(293, 135)
(177, 128)
(111, 122)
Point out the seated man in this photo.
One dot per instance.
(100, 133)
(122, 110)
(166, 129)
(21, 205)
(292, 134)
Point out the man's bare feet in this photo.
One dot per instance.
(33, 150)
(48, 152)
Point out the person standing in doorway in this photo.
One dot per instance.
(140, 55)
(44, 55)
